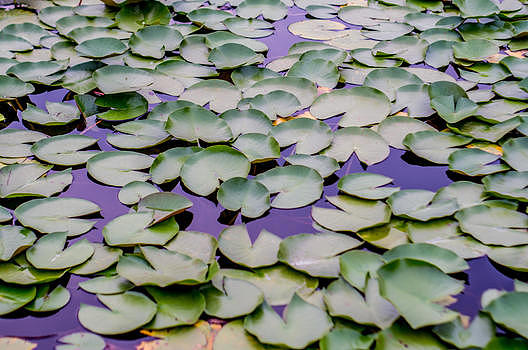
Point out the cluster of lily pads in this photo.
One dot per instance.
(366, 66)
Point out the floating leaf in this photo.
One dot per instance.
(247, 195)
(13, 240)
(161, 268)
(64, 150)
(123, 106)
(296, 185)
(510, 185)
(515, 153)
(220, 94)
(102, 258)
(30, 180)
(366, 185)
(362, 106)
(233, 55)
(508, 310)
(196, 123)
(344, 301)
(421, 205)
(135, 228)
(234, 243)
(303, 324)
(175, 308)
(433, 145)
(316, 254)
(46, 300)
(202, 171)
(235, 298)
(118, 168)
(153, 41)
(355, 214)
(14, 297)
(163, 205)
(356, 265)
(309, 136)
(81, 341)
(167, 165)
(417, 290)
(126, 312)
(48, 252)
(114, 284)
(444, 259)
(475, 162)
(494, 225)
(57, 215)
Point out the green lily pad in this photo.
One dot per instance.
(42, 72)
(102, 258)
(372, 309)
(137, 228)
(258, 147)
(58, 114)
(478, 334)
(401, 336)
(81, 341)
(118, 168)
(106, 285)
(366, 185)
(114, 79)
(494, 225)
(13, 240)
(434, 146)
(273, 10)
(508, 310)
(316, 254)
(167, 165)
(249, 28)
(11, 87)
(15, 297)
(135, 16)
(233, 335)
(134, 191)
(356, 265)
(296, 185)
(163, 205)
(361, 106)
(196, 123)
(247, 195)
(162, 268)
(302, 325)
(20, 271)
(153, 41)
(310, 136)
(273, 104)
(138, 134)
(511, 257)
(126, 312)
(123, 106)
(175, 307)
(388, 80)
(418, 299)
(221, 95)
(355, 214)
(476, 8)
(49, 253)
(64, 150)
(16, 143)
(475, 162)
(421, 205)
(369, 146)
(57, 215)
(510, 185)
(324, 165)
(395, 128)
(198, 245)
(30, 180)
(444, 259)
(46, 300)
(302, 88)
(515, 153)
(233, 55)
(485, 131)
(236, 298)
(278, 283)
(234, 243)
(202, 171)
(320, 71)
(101, 47)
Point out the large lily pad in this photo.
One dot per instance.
(30, 180)
(57, 215)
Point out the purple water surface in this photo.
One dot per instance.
(207, 217)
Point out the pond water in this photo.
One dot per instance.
(206, 215)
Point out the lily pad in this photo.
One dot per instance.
(316, 254)
(46, 300)
(64, 150)
(162, 268)
(202, 171)
(57, 215)
(296, 185)
(15, 297)
(247, 195)
(236, 298)
(13, 240)
(302, 325)
(508, 310)
(30, 180)
(366, 185)
(126, 312)
(118, 168)
(355, 214)
(196, 123)
(418, 299)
